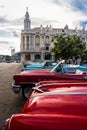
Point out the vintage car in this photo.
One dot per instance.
(27, 79)
(73, 68)
(53, 107)
(44, 65)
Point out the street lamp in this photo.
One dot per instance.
(12, 49)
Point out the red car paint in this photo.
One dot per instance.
(42, 75)
(61, 107)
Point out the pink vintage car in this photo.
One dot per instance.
(27, 79)
(59, 106)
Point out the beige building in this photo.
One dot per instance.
(36, 42)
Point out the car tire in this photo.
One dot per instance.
(26, 91)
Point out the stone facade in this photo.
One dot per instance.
(37, 42)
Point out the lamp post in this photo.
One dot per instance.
(12, 49)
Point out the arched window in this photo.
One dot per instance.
(27, 57)
(37, 39)
(47, 40)
(37, 57)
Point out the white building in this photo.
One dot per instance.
(36, 42)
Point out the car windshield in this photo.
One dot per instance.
(60, 68)
(49, 63)
(57, 68)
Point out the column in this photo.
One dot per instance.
(25, 43)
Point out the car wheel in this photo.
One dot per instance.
(26, 91)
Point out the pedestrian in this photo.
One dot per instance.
(78, 61)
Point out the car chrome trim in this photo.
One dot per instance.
(10, 122)
(4, 124)
(16, 88)
(37, 88)
(61, 83)
(59, 93)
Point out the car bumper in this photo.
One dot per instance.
(16, 88)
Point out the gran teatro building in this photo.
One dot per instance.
(37, 42)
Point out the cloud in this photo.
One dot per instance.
(61, 3)
(3, 20)
(1, 6)
(53, 12)
(79, 5)
(56, 2)
(75, 5)
(5, 47)
(16, 34)
(58, 13)
(7, 43)
(75, 12)
(4, 42)
(17, 22)
(83, 24)
(38, 21)
(10, 28)
(5, 33)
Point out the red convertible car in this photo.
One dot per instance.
(54, 107)
(27, 79)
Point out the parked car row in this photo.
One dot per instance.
(56, 98)
(43, 65)
(27, 79)
(50, 64)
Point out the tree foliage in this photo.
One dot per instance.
(68, 46)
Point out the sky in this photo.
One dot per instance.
(56, 13)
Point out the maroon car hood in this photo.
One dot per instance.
(35, 76)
